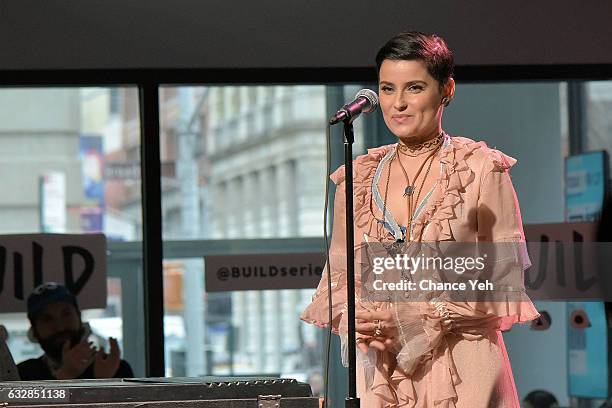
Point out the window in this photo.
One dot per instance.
(83, 145)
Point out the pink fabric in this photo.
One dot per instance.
(459, 364)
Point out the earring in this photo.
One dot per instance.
(445, 101)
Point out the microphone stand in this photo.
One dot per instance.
(351, 400)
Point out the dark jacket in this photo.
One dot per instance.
(37, 369)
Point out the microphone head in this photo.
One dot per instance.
(371, 96)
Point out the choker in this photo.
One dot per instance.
(418, 149)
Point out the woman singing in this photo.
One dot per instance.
(427, 187)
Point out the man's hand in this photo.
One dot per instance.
(75, 360)
(106, 365)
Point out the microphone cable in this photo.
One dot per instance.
(328, 268)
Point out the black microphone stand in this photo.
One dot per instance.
(351, 400)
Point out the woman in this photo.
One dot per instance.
(428, 187)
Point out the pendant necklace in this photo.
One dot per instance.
(410, 188)
(408, 193)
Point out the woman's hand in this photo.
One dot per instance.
(377, 329)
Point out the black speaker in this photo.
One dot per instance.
(213, 392)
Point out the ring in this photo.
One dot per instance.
(378, 329)
(359, 340)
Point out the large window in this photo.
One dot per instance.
(70, 162)
(242, 164)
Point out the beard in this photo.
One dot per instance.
(52, 346)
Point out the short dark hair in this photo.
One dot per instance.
(540, 399)
(415, 45)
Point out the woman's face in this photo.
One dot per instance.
(411, 99)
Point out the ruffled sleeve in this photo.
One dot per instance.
(499, 215)
(317, 312)
(499, 220)
(364, 167)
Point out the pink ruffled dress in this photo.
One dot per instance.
(453, 354)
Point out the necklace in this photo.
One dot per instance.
(384, 209)
(418, 149)
(416, 200)
(410, 188)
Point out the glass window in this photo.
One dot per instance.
(249, 164)
(598, 105)
(89, 140)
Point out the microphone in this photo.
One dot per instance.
(365, 101)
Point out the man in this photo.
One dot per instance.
(56, 325)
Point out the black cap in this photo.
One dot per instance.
(46, 294)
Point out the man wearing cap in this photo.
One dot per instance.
(56, 325)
